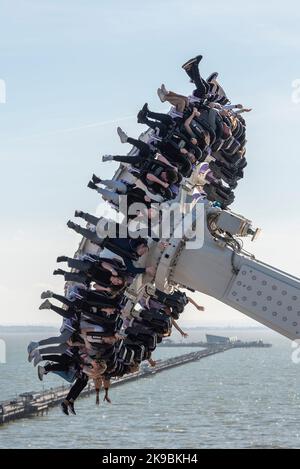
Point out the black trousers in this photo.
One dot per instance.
(93, 298)
(88, 234)
(65, 313)
(144, 152)
(162, 121)
(78, 303)
(77, 387)
(90, 218)
(62, 362)
(202, 87)
(83, 265)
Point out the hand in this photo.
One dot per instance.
(200, 308)
(151, 270)
(163, 244)
(184, 334)
(194, 141)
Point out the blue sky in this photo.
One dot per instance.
(74, 70)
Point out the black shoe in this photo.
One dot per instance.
(95, 179)
(190, 62)
(78, 213)
(92, 185)
(62, 259)
(71, 407)
(145, 109)
(58, 272)
(64, 408)
(212, 76)
(141, 117)
(71, 224)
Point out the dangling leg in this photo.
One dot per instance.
(108, 195)
(65, 313)
(61, 339)
(88, 234)
(87, 216)
(82, 265)
(116, 186)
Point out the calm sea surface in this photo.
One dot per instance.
(238, 399)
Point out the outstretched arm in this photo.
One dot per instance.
(240, 111)
(184, 334)
(200, 308)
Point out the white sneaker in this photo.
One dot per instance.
(32, 346)
(45, 305)
(164, 89)
(161, 95)
(37, 358)
(41, 372)
(107, 158)
(122, 135)
(46, 294)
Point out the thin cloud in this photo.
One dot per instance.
(77, 128)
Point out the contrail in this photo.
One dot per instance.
(80, 127)
(94, 124)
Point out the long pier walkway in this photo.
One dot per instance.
(37, 403)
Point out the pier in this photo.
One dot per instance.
(30, 404)
(217, 341)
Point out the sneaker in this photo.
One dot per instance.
(46, 294)
(58, 272)
(64, 408)
(161, 95)
(41, 372)
(37, 358)
(91, 184)
(45, 305)
(95, 179)
(107, 157)
(212, 77)
(190, 62)
(61, 259)
(31, 356)
(71, 224)
(122, 135)
(164, 89)
(141, 118)
(78, 213)
(32, 346)
(145, 109)
(71, 407)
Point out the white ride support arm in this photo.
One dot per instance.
(262, 292)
